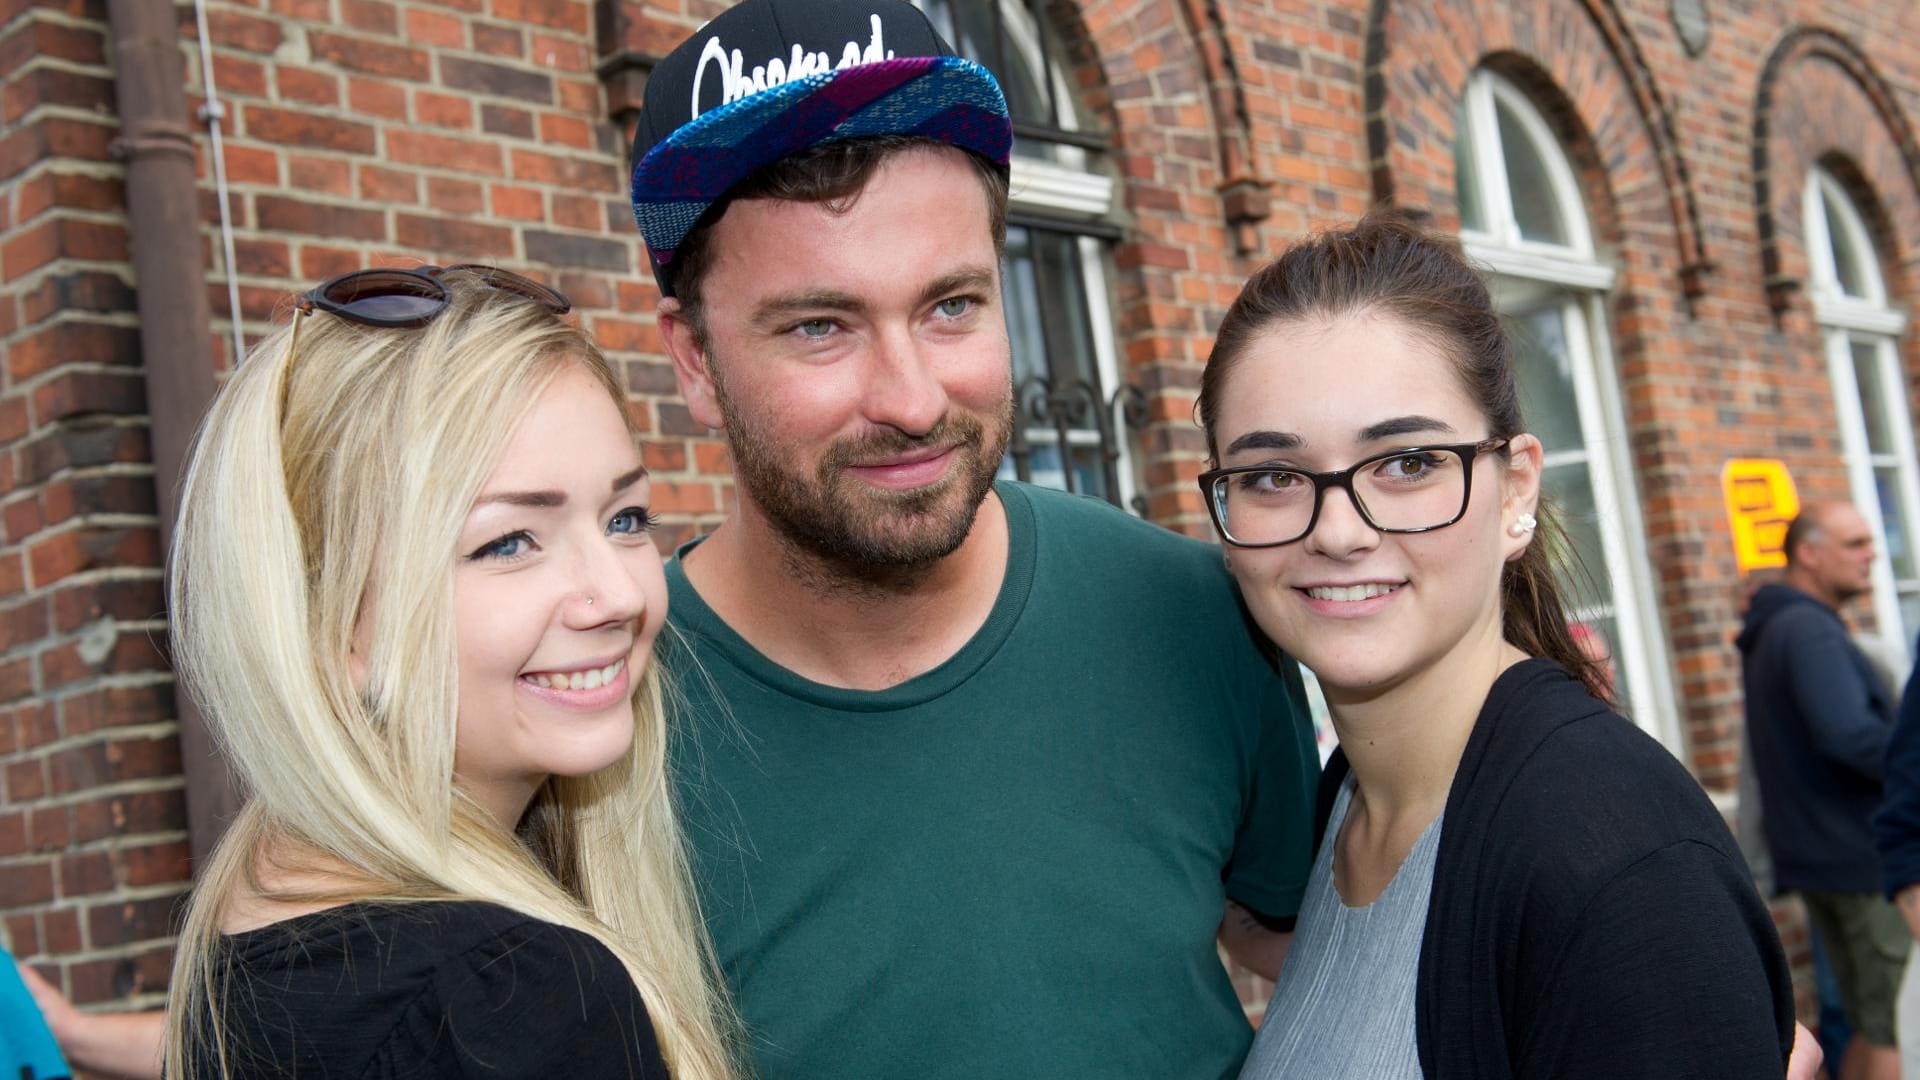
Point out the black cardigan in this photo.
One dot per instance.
(1591, 916)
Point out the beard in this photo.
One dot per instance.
(858, 531)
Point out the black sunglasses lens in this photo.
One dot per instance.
(385, 297)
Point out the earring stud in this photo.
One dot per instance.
(1522, 525)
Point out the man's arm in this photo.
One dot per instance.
(117, 1044)
(1256, 942)
(1836, 703)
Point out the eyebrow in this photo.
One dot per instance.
(775, 308)
(1404, 425)
(1266, 440)
(547, 500)
(1385, 429)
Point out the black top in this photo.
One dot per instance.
(1897, 825)
(1818, 722)
(438, 989)
(1591, 916)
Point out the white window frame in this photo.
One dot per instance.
(1868, 320)
(1516, 264)
(1067, 191)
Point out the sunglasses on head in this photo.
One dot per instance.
(397, 298)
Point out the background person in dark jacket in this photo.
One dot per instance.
(1818, 721)
(1897, 827)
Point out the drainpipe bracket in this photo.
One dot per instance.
(153, 140)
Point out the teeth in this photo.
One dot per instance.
(1350, 593)
(579, 680)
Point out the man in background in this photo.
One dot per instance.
(1818, 720)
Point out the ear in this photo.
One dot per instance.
(1520, 487)
(689, 356)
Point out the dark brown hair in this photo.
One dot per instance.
(1388, 265)
(832, 173)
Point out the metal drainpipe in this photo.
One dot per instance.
(176, 337)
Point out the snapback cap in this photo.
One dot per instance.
(767, 79)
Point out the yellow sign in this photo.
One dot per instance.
(1761, 501)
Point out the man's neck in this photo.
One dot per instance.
(862, 630)
(1807, 584)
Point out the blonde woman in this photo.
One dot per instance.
(414, 592)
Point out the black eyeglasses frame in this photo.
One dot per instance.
(1210, 488)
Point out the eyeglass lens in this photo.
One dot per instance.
(1405, 492)
(385, 296)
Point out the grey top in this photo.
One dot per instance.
(1343, 1008)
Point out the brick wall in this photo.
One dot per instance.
(93, 848)
(368, 131)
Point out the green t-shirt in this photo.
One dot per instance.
(1013, 865)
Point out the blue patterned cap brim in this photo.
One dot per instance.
(946, 98)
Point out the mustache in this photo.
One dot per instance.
(953, 429)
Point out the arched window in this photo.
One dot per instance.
(1074, 410)
(1860, 330)
(1523, 219)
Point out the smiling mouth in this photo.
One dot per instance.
(1348, 594)
(591, 679)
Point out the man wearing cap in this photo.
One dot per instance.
(970, 769)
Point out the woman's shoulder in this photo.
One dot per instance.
(449, 982)
(1564, 777)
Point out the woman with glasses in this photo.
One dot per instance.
(414, 593)
(1512, 880)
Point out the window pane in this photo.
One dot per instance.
(1003, 38)
(1873, 397)
(1571, 489)
(1886, 489)
(1545, 369)
(1055, 369)
(1022, 298)
(1089, 475)
(1909, 614)
(1846, 255)
(1535, 209)
(1466, 174)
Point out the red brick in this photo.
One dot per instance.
(442, 110)
(561, 54)
(308, 131)
(579, 212)
(381, 184)
(594, 176)
(559, 14)
(445, 152)
(442, 237)
(239, 77)
(373, 16)
(251, 165)
(47, 347)
(428, 27)
(308, 86)
(557, 129)
(318, 262)
(24, 884)
(115, 706)
(496, 40)
(323, 175)
(462, 197)
(282, 214)
(377, 97)
(128, 815)
(133, 920)
(518, 203)
(248, 33)
(371, 57)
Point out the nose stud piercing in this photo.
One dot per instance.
(1521, 526)
(589, 601)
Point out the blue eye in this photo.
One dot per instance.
(815, 329)
(954, 307)
(632, 521)
(514, 545)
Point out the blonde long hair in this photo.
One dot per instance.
(326, 491)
